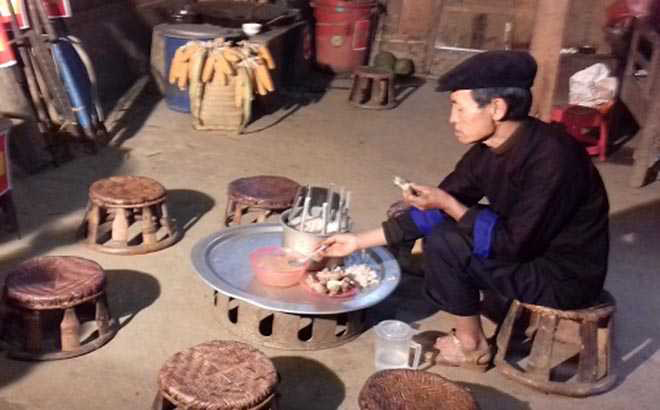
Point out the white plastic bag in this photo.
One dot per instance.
(592, 86)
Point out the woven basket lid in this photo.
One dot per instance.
(402, 389)
(218, 375)
(126, 190)
(50, 282)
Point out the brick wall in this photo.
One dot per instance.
(423, 29)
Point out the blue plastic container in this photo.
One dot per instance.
(176, 35)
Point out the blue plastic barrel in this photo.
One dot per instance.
(176, 35)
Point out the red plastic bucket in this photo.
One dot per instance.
(343, 32)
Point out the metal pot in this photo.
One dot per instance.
(301, 242)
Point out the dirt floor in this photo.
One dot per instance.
(164, 306)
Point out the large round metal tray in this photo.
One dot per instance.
(223, 262)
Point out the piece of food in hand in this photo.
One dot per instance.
(404, 184)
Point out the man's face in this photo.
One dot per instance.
(471, 123)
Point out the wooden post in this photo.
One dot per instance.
(70, 331)
(546, 44)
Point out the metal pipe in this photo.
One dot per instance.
(308, 200)
(325, 213)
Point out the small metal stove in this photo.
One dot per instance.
(284, 318)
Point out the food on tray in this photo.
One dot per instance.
(405, 185)
(342, 281)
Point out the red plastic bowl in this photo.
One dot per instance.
(271, 267)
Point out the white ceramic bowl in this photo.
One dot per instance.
(251, 28)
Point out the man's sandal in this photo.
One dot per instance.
(477, 360)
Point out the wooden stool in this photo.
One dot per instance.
(404, 389)
(556, 336)
(263, 194)
(128, 216)
(372, 88)
(56, 283)
(217, 375)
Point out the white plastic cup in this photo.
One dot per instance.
(393, 344)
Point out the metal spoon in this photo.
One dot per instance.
(305, 259)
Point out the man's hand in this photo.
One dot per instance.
(426, 197)
(340, 245)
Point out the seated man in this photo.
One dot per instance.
(543, 236)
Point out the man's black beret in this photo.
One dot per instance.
(499, 68)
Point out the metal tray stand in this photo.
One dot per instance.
(287, 318)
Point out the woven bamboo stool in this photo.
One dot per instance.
(403, 389)
(372, 88)
(557, 336)
(217, 375)
(128, 215)
(263, 194)
(61, 284)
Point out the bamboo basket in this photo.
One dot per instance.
(213, 104)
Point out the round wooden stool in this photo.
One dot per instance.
(404, 389)
(570, 349)
(128, 215)
(217, 375)
(262, 194)
(56, 286)
(372, 88)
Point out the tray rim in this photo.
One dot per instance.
(200, 251)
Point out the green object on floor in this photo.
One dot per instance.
(385, 60)
(404, 67)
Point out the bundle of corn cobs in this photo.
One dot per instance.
(209, 68)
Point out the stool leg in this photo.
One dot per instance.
(354, 87)
(165, 220)
(602, 140)
(375, 94)
(229, 212)
(506, 330)
(382, 96)
(70, 330)
(261, 218)
(539, 360)
(93, 221)
(364, 90)
(587, 371)
(238, 213)
(161, 403)
(148, 226)
(33, 334)
(102, 315)
(605, 348)
(120, 227)
(390, 93)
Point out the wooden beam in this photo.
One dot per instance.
(546, 44)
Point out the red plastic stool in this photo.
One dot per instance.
(580, 122)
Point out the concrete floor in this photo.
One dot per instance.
(164, 307)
